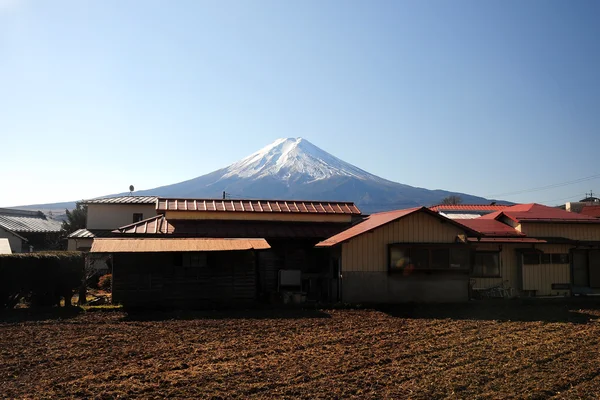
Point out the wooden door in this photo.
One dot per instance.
(594, 268)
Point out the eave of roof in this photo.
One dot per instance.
(164, 245)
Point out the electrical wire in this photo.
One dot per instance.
(540, 188)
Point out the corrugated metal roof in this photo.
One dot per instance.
(468, 207)
(123, 200)
(489, 227)
(380, 219)
(5, 246)
(90, 233)
(261, 206)
(28, 221)
(592, 211)
(459, 216)
(161, 245)
(159, 225)
(539, 213)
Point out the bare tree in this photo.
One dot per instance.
(452, 200)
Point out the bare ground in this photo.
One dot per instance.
(499, 350)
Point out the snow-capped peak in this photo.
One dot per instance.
(293, 159)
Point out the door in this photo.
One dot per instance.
(594, 268)
(580, 269)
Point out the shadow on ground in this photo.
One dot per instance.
(153, 315)
(36, 314)
(577, 311)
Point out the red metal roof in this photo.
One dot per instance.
(489, 227)
(261, 206)
(380, 219)
(154, 225)
(468, 207)
(539, 213)
(592, 211)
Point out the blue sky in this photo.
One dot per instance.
(479, 97)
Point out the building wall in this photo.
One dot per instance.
(541, 277)
(16, 243)
(255, 216)
(83, 244)
(113, 216)
(369, 251)
(571, 231)
(365, 276)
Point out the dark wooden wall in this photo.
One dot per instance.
(164, 279)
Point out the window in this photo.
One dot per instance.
(545, 258)
(137, 217)
(560, 258)
(486, 264)
(187, 266)
(422, 257)
(531, 258)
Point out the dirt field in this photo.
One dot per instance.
(507, 350)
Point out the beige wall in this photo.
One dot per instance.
(113, 216)
(15, 242)
(541, 277)
(369, 251)
(79, 244)
(571, 231)
(257, 216)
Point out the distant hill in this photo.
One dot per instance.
(292, 169)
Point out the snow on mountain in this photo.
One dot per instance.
(286, 159)
(295, 169)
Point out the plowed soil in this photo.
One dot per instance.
(508, 350)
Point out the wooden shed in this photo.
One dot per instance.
(186, 272)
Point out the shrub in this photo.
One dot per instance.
(105, 282)
(41, 278)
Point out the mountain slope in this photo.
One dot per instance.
(294, 168)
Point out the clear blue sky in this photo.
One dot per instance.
(473, 96)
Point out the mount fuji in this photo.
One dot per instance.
(295, 169)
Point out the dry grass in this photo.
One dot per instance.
(511, 350)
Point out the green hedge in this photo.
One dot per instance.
(40, 278)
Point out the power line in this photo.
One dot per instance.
(540, 188)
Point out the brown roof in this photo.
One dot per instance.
(161, 245)
(159, 225)
(380, 219)
(468, 207)
(261, 206)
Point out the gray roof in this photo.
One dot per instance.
(27, 221)
(123, 200)
(90, 234)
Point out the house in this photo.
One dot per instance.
(197, 251)
(107, 214)
(29, 230)
(410, 255)
(423, 256)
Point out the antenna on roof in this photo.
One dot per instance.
(131, 189)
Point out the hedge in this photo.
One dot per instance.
(41, 278)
